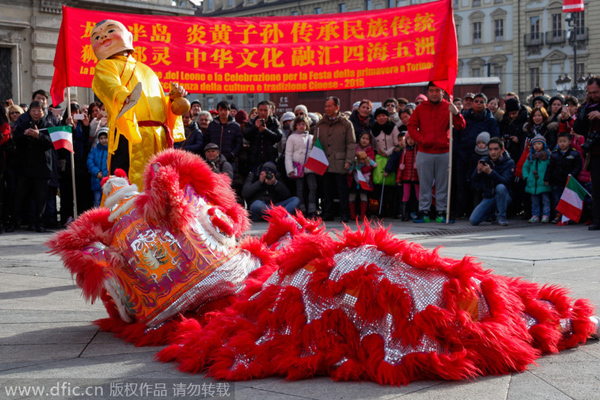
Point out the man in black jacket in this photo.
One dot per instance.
(226, 133)
(588, 125)
(494, 176)
(262, 132)
(262, 189)
(33, 162)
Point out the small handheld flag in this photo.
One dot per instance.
(62, 137)
(571, 201)
(317, 161)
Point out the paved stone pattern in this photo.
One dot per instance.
(45, 329)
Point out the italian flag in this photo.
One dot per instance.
(317, 161)
(571, 201)
(362, 181)
(572, 6)
(62, 137)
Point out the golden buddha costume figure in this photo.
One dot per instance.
(139, 127)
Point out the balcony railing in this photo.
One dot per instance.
(533, 39)
(582, 35)
(555, 37)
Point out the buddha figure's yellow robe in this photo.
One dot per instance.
(114, 79)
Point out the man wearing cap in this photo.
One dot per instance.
(263, 189)
(217, 162)
(402, 103)
(429, 126)
(478, 119)
(225, 132)
(468, 101)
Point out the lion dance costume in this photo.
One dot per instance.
(170, 267)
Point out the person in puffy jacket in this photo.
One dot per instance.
(429, 126)
(297, 149)
(96, 163)
(534, 171)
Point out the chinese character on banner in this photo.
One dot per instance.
(301, 30)
(377, 51)
(89, 25)
(271, 34)
(303, 56)
(424, 23)
(160, 34)
(196, 34)
(324, 54)
(328, 30)
(221, 57)
(195, 56)
(247, 31)
(220, 33)
(138, 31)
(353, 30)
(160, 55)
(247, 56)
(377, 28)
(401, 25)
(271, 58)
(87, 54)
(402, 49)
(425, 45)
(140, 53)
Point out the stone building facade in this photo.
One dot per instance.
(522, 42)
(29, 33)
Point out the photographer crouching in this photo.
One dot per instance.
(261, 190)
(587, 124)
(494, 177)
(217, 161)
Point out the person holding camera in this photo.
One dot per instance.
(587, 124)
(263, 133)
(493, 176)
(217, 161)
(263, 189)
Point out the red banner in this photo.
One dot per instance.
(275, 54)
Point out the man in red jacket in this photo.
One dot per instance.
(429, 126)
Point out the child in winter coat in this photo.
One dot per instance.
(480, 151)
(96, 164)
(297, 148)
(403, 162)
(365, 143)
(564, 161)
(360, 182)
(534, 172)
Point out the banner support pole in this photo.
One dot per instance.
(72, 156)
(449, 171)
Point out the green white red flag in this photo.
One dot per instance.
(317, 160)
(571, 201)
(362, 181)
(572, 6)
(62, 137)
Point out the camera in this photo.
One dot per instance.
(590, 140)
(263, 122)
(269, 176)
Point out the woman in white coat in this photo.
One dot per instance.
(297, 149)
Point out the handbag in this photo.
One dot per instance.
(299, 167)
(378, 177)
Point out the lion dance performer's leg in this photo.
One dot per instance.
(371, 307)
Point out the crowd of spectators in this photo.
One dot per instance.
(511, 158)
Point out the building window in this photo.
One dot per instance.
(317, 10)
(229, 3)
(556, 25)
(534, 27)
(209, 4)
(456, 4)
(498, 71)
(391, 3)
(579, 71)
(580, 22)
(476, 3)
(498, 1)
(534, 77)
(476, 32)
(343, 7)
(499, 30)
(476, 73)
(294, 13)
(368, 4)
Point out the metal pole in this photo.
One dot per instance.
(574, 86)
(72, 157)
(449, 172)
